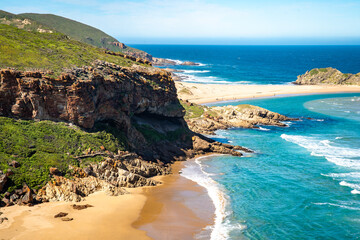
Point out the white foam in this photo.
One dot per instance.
(350, 185)
(338, 205)
(355, 191)
(177, 62)
(339, 138)
(263, 129)
(348, 175)
(288, 123)
(221, 228)
(341, 156)
(195, 71)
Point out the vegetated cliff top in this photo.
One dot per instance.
(28, 50)
(75, 30)
(328, 76)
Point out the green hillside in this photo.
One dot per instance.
(75, 30)
(23, 23)
(81, 32)
(26, 50)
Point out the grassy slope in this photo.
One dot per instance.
(48, 51)
(18, 21)
(37, 146)
(74, 29)
(78, 31)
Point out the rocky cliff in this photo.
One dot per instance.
(140, 103)
(328, 76)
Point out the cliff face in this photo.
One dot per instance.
(328, 76)
(102, 93)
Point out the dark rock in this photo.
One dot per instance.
(28, 196)
(60, 215)
(81, 207)
(9, 172)
(3, 180)
(188, 63)
(18, 192)
(14, 164)
(3, 219)
(14, 198)
(54, 171)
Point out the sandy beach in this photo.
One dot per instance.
(208, 93)
(146, 213)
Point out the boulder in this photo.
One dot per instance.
(60, 215)
(3, 180)
(54, 171)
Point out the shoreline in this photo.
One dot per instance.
(177, 207)
(210, 93)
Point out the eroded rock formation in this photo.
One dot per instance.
(328, 76)
(241, 116)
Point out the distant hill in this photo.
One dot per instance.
(328, 76)
(23, 23)
(30, 50)
(75, 30)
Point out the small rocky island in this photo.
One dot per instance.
(328, 76)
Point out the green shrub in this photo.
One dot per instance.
(37, 146)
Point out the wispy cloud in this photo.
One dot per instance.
(208, 18)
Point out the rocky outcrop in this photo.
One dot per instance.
(120, 45)
(328, 76)
(64, 189)
(168, 62)
(241, 116)
(188, 63)
(162, 62)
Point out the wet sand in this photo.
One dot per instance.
(208, 93)
(178, 209)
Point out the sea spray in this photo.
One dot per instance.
(194, 171)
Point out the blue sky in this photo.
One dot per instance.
(210, 21)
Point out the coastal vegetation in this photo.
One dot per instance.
(38, 146)
(26, 50)
(49, 23)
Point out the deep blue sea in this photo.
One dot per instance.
(303, 181)
(255, 64)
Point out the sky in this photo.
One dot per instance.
(210, 21)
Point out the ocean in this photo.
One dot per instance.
(303, 181)
(255, 64)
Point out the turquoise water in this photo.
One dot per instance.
(303, 182)
(255, 64)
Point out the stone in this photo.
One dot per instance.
(14, 164)
(67, 219)
(28, 196)
(3, 180)
(9, 172)
(54, 171)
(188, 63)
(60, 215)
(3, 219)
(81, 207)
